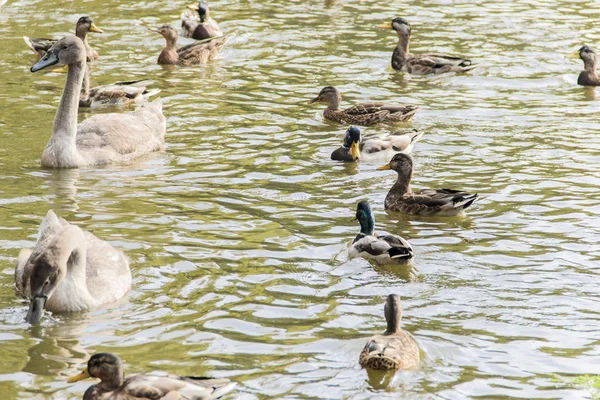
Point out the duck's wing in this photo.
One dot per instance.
(155, 387)
(122, 92)
(201, 51)
(399, 247)
(375, 112)
(370, 245)
(399, 350)
(437, 64)
(39, 45)
(442, 199)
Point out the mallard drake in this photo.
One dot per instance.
(374, 148)
(439, 202)
(422, 64)
(69, 269)
(589, 76)
(364, 114)
(396, 348)
(84, 25)
(383, 249)
(101, 139)
(197, 23)
(196, 53)
(114, 386)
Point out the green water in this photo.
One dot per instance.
(237, 234)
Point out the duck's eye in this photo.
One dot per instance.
(65, 47)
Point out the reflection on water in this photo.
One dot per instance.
(238, 233)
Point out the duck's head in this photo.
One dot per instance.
(167, 31)
(401, 163)
(202, 9)
(393, 312)
(105, 366)
(328, 95)
(364, 215)
(400, 25)
(84, 25)
(352, 141)
(68, 50)
(586, 53)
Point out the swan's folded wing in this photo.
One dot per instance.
(22, 273)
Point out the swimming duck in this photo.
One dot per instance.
(364, 114)
(589, 76)
(439, 202)
(383, 249)
(101, 139)
(422, 64)
(114, 386)
(396, 348)
(374, 148)
(68, 270)
(196, 53)
(198, 23)
(83, 26)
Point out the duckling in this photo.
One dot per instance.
(69, 270)
(396, 348)
(84, 25)
(114, 386)
(383, 249)
(438, 202)
(196, 53)
(198, 23)
(374, 148)
(422, 64)
(364, 114)
(589, 76)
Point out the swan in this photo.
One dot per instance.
(101, 139)
(68, 270)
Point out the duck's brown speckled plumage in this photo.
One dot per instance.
(363, 114)
(396, 348)
(589, 76)
(439, 202)
(82, 28)
(422, 64)
(193, 54)
(114, 386)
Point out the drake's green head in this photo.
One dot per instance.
(364, 215)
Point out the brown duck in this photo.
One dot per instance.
(83, 26)
(438, 202)
(423, 64)
(114, 386)
(364, 114)
(589, 76)
(193, 54)
(198, 23)
(396, 348)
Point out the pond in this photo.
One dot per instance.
(238, 232)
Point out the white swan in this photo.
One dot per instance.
(69, 270)
(101, 139)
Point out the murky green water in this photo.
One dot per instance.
(237, 234)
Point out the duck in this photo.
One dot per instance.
(101, 139)
(115, 386)
(395, 348)
(427, 202)
(589, 76)
(422, 64)
(84, 25)
(192, 54)
(118, 93)
(383, 249)
(374, 148)
(69, 270)
(197, 23)
(364, 114)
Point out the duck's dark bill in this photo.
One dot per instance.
(49, 59)
(36, 310)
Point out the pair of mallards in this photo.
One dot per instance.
(198, 25)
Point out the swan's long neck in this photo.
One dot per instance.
(64, 131)
(85, 88)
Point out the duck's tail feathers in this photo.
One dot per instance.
(466, 201)
(223, 390)
(29, 43)
(400, 253)
(147, 94)
(416, 136)
(469, 67)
